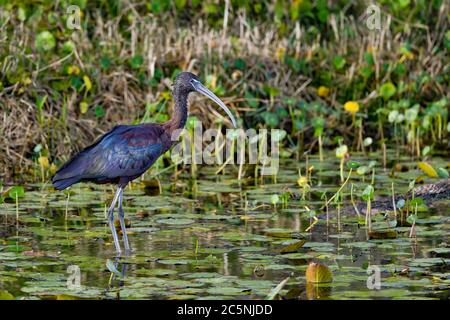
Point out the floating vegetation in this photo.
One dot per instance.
(192, 249)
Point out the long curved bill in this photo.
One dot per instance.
(200, 88)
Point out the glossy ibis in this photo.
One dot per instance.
(127, 151)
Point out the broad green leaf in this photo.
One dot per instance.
(16, 192)
(387, 90)
(368, 193)
(45, 41)
(338, 62)
(443, 173)
(353, 165)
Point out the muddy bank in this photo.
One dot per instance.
(430, 193)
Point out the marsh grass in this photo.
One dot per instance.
(263, 69)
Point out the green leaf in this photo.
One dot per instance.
(5, 295)
(362, 170)
(311, 214)
(403, 3)
(442, 173)
(271, 91)
(16, 192)
(37, 148)
(368, 193)
(400, 203)
(45, 41)
(99, 111)
(136, 61)
(341, 151)
(105, 62)
(411, 218)
(318, 122)
(339, 62)
(192, 122)
(270, 118)
(366, 72)
(387, 90)
(274, 199)
(411, 185)
(416, 202)
(22, 16)
(290, 100)
(76, 82)
(368, 57)
(353, 165)
(240, 64)
(412, 113)
(180, 4)
(426, 150)
(40, 101)
(251, 100)
(68, 46)
(323, 15)
(395, 117)
(367, 141)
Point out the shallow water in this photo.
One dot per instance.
(215, 239)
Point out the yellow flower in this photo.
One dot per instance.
(351, 106)
(43, 161)
(87, 83)
(236, 74)
(166, 95)
(73, 70)
(302, 181)
(53, 168)
(323, 91)
(26, 81)
(84, 107)
(409, 55)
(211, 80)
(279, 53)
(406, 56)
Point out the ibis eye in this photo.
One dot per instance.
(194, 83)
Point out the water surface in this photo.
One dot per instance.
(213, 238)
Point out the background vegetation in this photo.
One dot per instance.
(312, 68)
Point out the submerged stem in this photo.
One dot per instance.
(342, 186)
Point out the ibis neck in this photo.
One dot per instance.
(180, 111)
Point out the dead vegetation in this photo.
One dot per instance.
(124, 93)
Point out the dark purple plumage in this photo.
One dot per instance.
(121, 155)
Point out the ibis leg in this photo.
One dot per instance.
(122, 222)
(111, 221)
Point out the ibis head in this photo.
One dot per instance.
(188, 82)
